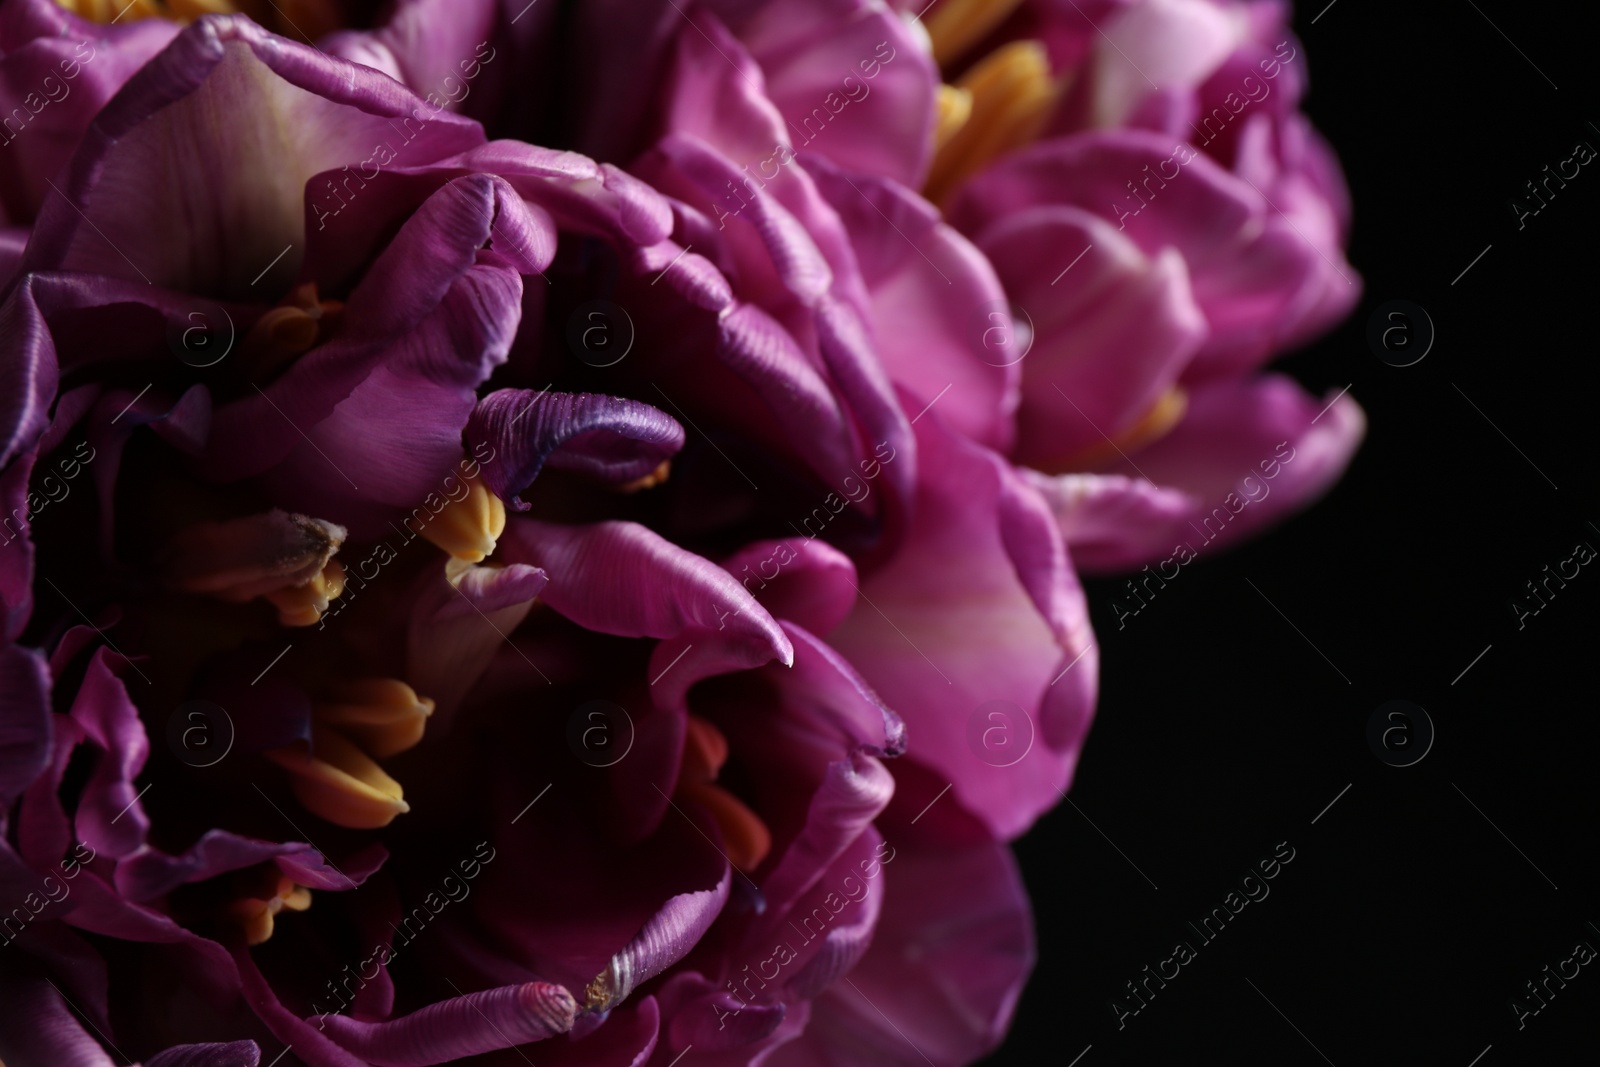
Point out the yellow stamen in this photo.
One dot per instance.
(258, 915)
(468, 528)
(283, 557)
(383, 715)
(339, 782)
(649, 481)
(302, 19)
(1012, 96)
(955, 108)
(287, 332)
(189, 10)
(303, 605)
(957, 25)
(106, 10)
(1154, 424)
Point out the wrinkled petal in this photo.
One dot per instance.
(462, 1026)
(229, 1054)
(606, 437)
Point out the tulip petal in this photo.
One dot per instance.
(36, 1026)
(948, 960)
(456, 628)
(1113, 329)
(25, 721)
(930, 290)
(39, 45)
(168, 150)
(1112, 522)
(812, 584)
(230, 1054)
(664, 940)
(606, 437)
(462, 1026)
(1254, 278)
(1251, 453)
(598, 573)
(817, 58)
(110, 817)
(984, 549)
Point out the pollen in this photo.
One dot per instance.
(258, 915)
(468, 528)
(1012, 94)
(336, 780)
(956, 25)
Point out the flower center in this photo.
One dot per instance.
(337, 776)
(287, 332)
(744, 836)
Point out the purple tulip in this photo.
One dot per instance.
(745, 634)
(355, 331)
(1164, 221)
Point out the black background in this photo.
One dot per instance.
(1407, 922)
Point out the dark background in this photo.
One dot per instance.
(1407, 922)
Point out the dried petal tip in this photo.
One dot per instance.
(383, 715)
(261, 555)
(600, 993)
(341, 783)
